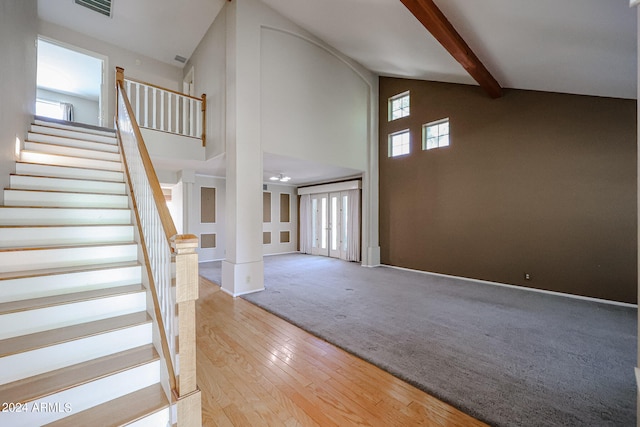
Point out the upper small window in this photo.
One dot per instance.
(399, 143)
(435, 134)
(399, 106)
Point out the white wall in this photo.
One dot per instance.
(208, 62)
(275, 226)
(273, 86)
(136, 66)
(314, 105)
(164, 145)
(18, 34)
(84, 110)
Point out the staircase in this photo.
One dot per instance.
(75, 337)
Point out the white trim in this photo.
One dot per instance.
(331, 188)
(282, 253)
(239, 294)
(103, 101)
(636, 369)
(633, 3)
(210, 260)
(524, 288)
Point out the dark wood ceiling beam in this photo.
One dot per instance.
(439, 26)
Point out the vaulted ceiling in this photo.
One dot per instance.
(572, 46)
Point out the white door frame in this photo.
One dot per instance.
(103, 101)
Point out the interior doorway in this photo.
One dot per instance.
(71, 83)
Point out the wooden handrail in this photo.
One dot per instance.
(168, 228)
(177, 250)
(167, 222)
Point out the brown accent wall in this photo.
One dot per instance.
(533, 182)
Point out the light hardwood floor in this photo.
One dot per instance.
(255, 369)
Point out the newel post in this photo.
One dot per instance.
(119, 78)
(189, 406)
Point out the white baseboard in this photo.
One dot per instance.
(505, 285)
(283, 253)
(239, 294)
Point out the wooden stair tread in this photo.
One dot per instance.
(85, 208)
(66, 178)
(47, 226)
(66, 155)
(78, 137)
(68, 125)
(66, 270)
(75, 147)
(39, 386)
(119, 412)
(35, 190)
(56, 336)
(68, 298)
(75, 167)
(42, 163)
(45, 247)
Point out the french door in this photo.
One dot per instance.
(329, 222)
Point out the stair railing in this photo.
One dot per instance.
(165, 252)
(166, 110)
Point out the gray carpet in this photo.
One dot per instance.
(508, 357)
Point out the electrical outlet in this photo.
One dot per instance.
(527, 276)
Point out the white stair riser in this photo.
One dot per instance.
(46, 359)
(61, 184)
(48, 198)
(59, 316)
(69, 142)
(66, 257)
(59, 284)
(71, 132)
(68, 172)
(71, 151)
(87, 396)
(48, 236)
(160, 418)
(63, 216)
(77, 162)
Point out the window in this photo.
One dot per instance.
(435, 134)
(399, 106)
(399, 143)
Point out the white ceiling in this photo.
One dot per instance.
(570, 46)
(160, 29)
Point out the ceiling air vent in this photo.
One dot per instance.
(101, 6)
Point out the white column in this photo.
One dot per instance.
(370, 189)
(189, 213)
(242, 268)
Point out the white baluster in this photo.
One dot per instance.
(170, 106)
(198, 115)
(146, 106)
(138, 102)
(192, 115)
(177, 114)
(155, 107)
(162, 110)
